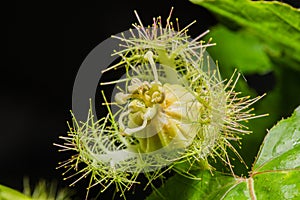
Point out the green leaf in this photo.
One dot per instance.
(281, 148)
(275, 174)
(7, 193)
(239, 50)
(209, 187)
(276, 23)
(276, 171)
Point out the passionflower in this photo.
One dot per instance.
(172, 106)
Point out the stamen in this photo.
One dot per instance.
(149, 57)
(121, 98)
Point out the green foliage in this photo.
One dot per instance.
(239, 49)
(194, 189)
(258, 37)
(275, 174)
(7, 193)
(275, 23)
(42, 191)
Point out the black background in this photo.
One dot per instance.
(47, 43)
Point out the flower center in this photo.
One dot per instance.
(144, 98)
